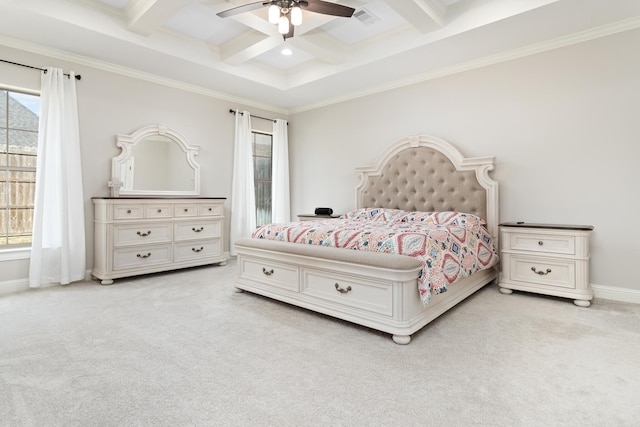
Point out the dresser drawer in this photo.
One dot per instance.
(347, 291)
(197, 230)
(197, 250)
(158, 211)
(141, 256)
(210, 209)
(183, 210)
(143, 233)
(542, 271)
(275, 274)
(128, 212)
(542, 243)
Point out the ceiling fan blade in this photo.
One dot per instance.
(244, 8)
(326, 8)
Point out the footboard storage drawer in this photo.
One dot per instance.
(134, 236)
(353, 292)
(271, 273)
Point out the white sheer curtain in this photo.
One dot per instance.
(281, 211)
(58, 247)
(243, 197)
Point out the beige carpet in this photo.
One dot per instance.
(183, 349)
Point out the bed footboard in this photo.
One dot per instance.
(371, 289)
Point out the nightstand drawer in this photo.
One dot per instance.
(540, 270)
(542, 243)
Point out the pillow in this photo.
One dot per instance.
(446, 218)
(375, 214)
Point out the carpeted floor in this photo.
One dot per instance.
(183, 349)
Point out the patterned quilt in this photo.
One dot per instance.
(450, 245)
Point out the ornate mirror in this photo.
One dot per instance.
(155, 161)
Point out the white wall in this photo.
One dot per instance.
(111, 103)
(564, 127)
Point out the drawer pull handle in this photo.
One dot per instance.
(541, 273)
(143, 234)
(197, 250)
(144, 256)
(540, 242)
(210, 209)
(197, 230)
(159, 210)
(343, 290)
(128, 210)
(186, 210)
(267, 272)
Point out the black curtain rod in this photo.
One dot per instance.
(257, 117)
(78, 76)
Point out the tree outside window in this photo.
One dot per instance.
(262, 152)
(18, 157)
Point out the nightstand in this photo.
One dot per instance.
(314, 217)
(547, 259)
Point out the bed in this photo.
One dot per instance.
(380, 290)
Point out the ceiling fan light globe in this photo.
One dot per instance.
(296, 16)
(274, 14)
(283, 25)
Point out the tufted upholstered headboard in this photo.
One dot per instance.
(424, 173)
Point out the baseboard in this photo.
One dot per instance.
(12, 286)
(616, 294)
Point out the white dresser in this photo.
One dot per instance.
(135, 236)
(547, 259)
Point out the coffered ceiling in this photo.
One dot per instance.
(390, 43)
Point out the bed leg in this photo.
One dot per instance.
(401, 339)
(506, 291)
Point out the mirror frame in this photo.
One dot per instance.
(127, 143)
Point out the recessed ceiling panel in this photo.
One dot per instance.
(276, 59)
(201, 22)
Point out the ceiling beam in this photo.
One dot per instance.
(247, 46)
(146, 16)
(424, 15)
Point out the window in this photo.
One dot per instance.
(18, 153)
(262, 149)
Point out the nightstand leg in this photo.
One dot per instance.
(582, 302)
(506, 291)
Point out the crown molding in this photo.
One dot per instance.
(130, 72)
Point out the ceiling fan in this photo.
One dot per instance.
(287, 14)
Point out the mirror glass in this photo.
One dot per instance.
(155, 161)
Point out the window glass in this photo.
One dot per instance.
(262, 151)
(3, 108)
(18, 160)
